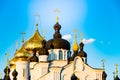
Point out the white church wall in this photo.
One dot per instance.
(56, 53)
(39, 70)
(32, 64)
(22, 67)
(42, 58)
(85, 72)
(48, 76)
(11, 70)
(59, 63)
(56, 72)
(67, 71)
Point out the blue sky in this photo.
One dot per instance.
(97, 19)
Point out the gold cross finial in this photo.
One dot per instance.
(37, 16)
(22, 36)
(75, 31)
(103, 65)
(16, 45)
(0, 75)
(44, 31)
(81, 35)
(116, 69)
(57, 11)
(7, 59)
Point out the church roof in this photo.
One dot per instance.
(22, 54)
(57, 42)
(35, 41)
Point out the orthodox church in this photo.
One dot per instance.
(38, 59)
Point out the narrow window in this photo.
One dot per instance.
(60, 55)
(68, 54)
(23, 72)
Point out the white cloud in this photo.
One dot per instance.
(88, 41)
(67, 37)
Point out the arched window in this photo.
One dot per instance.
(52, 56)
(60, 55)
(64, 56)
(68, 54)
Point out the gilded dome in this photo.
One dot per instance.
(34, 42)
(22, 54)
(75, 46)
(13, 63)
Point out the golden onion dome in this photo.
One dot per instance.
(13, 63)
(75, 46)
(22, 54)
(35, 42)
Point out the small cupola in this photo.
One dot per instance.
(75, 46)
(34, 58)
(81, 52)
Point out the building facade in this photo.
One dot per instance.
(38, 59)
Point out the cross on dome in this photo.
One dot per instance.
(116, 69)
(22, 36)
(81, 35)
(57, 11)
(37, 16)
(16, 45)
(103, 61)
(7, 59)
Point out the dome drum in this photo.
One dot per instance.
(58, 43)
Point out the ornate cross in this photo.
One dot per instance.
(37, 16)
(103, 61)
(57, 11)
(16, 45)
(116, 69)
(7, 59)
(81, 35)
(75, 31)
(44, 31)
(22, 36)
